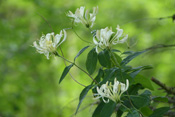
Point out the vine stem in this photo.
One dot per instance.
(76, 66)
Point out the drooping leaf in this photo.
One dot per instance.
(130, 57)
(159, 112)
(108, 109)
(83, 95)
(104, 58)
(80, 52)
(66, 70)
(145, 82)
(97, 111)
(91, 61)
(133, 113)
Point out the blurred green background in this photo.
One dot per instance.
(29, 82)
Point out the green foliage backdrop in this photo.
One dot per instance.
(29, 82)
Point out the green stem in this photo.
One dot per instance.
(77, 67)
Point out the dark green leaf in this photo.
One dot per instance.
(140, 101)
(133, 89)
(145, 82)
(139, 69)
(130, 57)
(133, 113)
(91, 61)
(100, 74)
(82, 96)
(116, 60)
(80, 52)
(66, 70)
(98, 109)
(159, 112)
(115, 50)
(104, 58)
(128, 52)
(108, 109)
(161, 99)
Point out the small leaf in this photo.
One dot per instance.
(108, 109)
(91, 61)
(159, 112)
(98, 109)
(133, 113)
(104, 58)
(130, 57)
(66, 70)
(80, 52)
(82, 96)
(145, 82)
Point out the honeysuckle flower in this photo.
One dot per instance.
(106, 38)
(48, 43)
(112, 92)
(84, 17)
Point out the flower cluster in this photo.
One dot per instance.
(112, 92)
(83, 17)
(48, 43)
(106, 38)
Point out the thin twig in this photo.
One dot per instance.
(163, 86)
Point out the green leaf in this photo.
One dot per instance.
(137, 70)
(100, 74)
(108, 109)
(66, 70)
(97, 111)
(82, 96)
(116, 60)
(133, 113)
(161, 99)
(115, 50)
(145, 82)
(80, 52)
(104, 58)
(146, 111)
(159, 112)
(130, 57)
(91, 61)
(141, 100)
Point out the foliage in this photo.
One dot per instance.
(29, 83)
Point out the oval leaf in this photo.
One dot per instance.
(80, 52)
(91, 61)
(66, 70)
(104, 58)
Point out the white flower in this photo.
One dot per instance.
(112, 92)
(49, 43)
(83, 17)
(106, 38)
